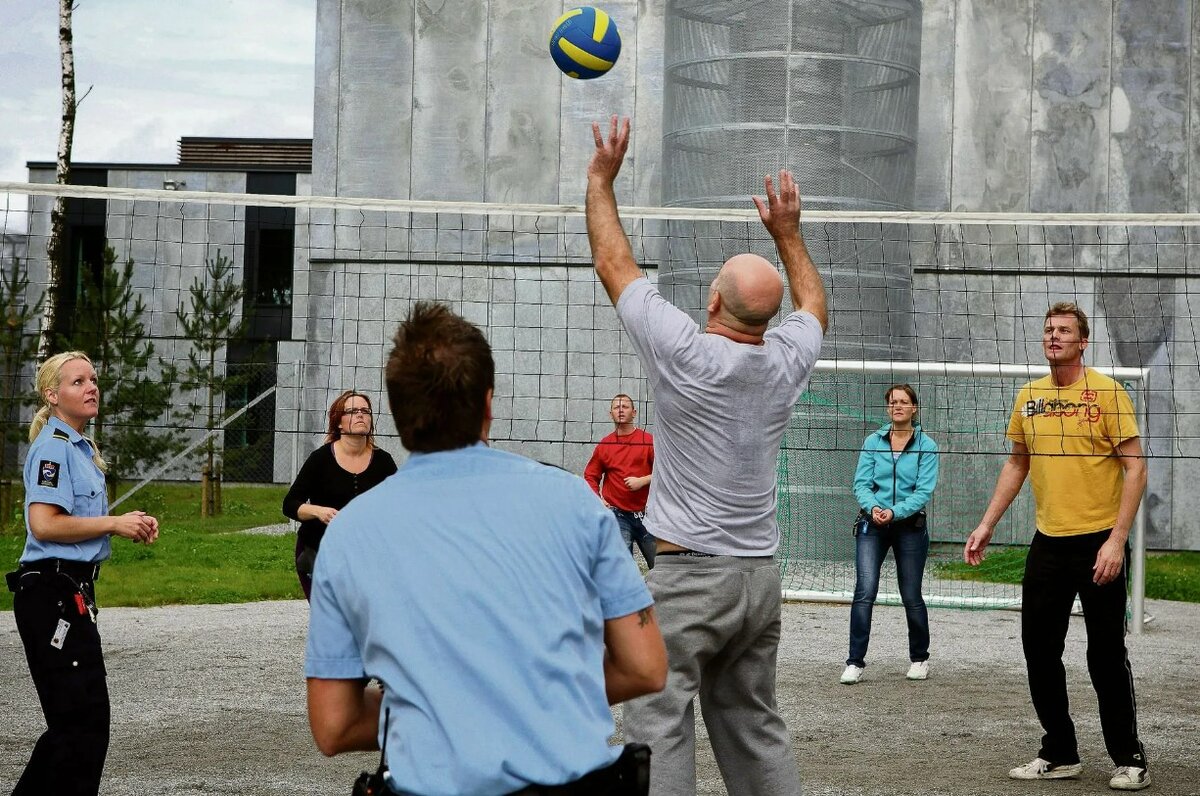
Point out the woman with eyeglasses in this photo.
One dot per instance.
(896, 475)
(347, 465)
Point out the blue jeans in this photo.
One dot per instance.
(910, 548)
(632, 530)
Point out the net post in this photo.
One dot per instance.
(1138, 548)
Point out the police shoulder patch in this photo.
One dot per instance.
(48, 473)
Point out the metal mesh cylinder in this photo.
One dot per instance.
(827, 88)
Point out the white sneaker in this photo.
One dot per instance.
(918, 671)
(852, 674)
(1044, 769)
(1129, 778)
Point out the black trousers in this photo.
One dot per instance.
(71, 683)
(1056, 570)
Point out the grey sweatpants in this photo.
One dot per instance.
(720, 618)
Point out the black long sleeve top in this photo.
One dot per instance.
(323, 482)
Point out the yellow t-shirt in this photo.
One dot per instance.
(1072, 433)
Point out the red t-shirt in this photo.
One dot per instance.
(617, 457)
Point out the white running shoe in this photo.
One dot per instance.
(852, 674)
(918, 671)
(1044, 769)
(1129, 778)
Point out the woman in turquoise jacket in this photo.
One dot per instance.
(897, 472)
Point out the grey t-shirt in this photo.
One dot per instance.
(721, 411)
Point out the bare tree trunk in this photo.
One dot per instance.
(58, 222)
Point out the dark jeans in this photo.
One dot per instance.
(1057, 569)
(910, 548)
(71, 683)
(632, 530)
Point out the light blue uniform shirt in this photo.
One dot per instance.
(59, 470)
(475, 584)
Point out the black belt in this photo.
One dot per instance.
(79, 570)
(687, 553)
(629, 775)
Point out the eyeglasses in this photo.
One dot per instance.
(353, 412)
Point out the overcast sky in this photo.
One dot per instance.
(160, 69)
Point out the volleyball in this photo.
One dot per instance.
(585, 43)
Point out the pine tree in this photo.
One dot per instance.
(17, 349)
(137, 388)
(211, 322)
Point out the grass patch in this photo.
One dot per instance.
(1169, 576)
(1173, 576)
(195, 560)
(1002, 565)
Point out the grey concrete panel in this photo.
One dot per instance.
(646, 146)
(326, 107)
(587, 101)
(451, 57)
(1193, 152)
(1184, 528)
(523, 98)
(991, 101)
(1149, 113)
(375, 99)
(936, 109)
(1070, 107)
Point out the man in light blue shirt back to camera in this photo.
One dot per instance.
(490, 595)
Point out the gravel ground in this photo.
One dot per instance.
(210, 700)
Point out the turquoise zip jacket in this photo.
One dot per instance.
(903, 484)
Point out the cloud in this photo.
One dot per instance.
(159, 69)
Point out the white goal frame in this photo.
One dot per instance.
(1137, 541)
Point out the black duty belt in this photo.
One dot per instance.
(629, 775)
(77, 570)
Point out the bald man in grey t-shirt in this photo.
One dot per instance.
(723, 395)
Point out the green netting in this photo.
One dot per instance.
(967, 416)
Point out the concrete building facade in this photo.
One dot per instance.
(1025, 106)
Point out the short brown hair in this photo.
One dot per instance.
(904, 388)
(337, 410)
(1071, 308)
(438, 376)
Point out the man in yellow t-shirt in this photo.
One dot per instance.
(1074, 432)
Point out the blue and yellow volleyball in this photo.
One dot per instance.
(585, 43)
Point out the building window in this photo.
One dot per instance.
(270, 253)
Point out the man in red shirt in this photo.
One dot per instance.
(619, 472)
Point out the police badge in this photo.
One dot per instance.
(48, 473)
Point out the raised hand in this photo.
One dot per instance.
(610, 154)
(780, 212)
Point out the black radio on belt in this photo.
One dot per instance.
(369, 784)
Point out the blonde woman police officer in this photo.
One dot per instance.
(68, 529)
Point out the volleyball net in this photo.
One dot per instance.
(952, 304)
